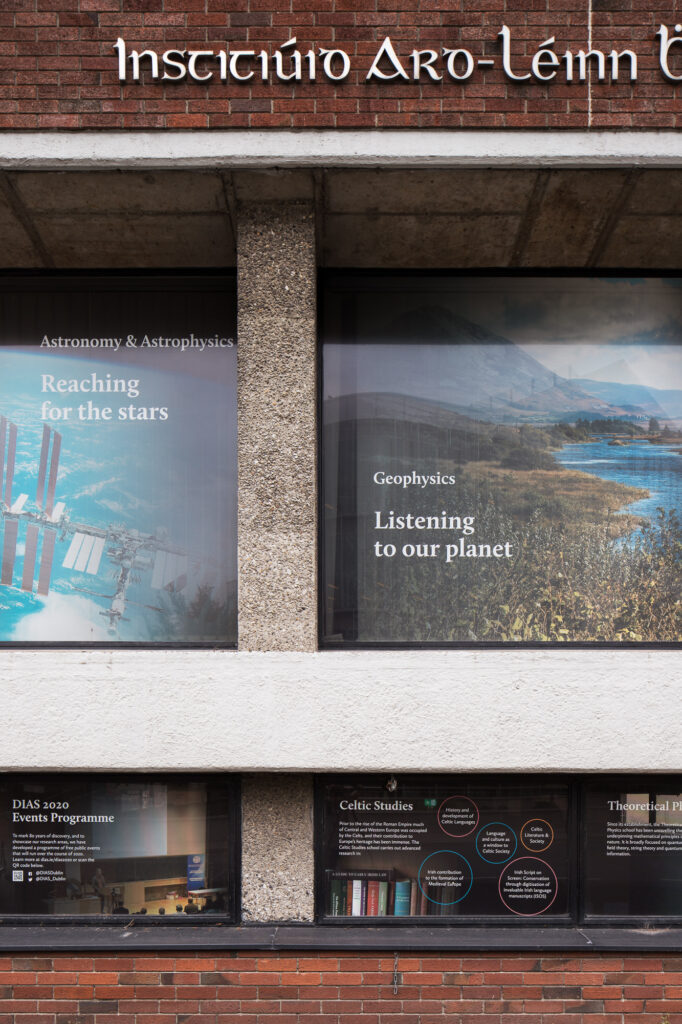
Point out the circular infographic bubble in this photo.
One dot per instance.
(537, 835)
(445, 877)
(496, 842)
(458, 816)
(528, 886)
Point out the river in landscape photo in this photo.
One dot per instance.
(638, 463)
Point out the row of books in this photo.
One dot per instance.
(375, 893)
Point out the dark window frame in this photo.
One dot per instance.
(654, 783)
(579, 787)
(344, 279)
(231, 786)
(164, 279)
(491, 922)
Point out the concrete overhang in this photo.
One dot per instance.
(382, 199)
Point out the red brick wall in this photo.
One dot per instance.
(339, 988)
(58, 69)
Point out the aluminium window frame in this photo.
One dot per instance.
(230, 785)
(457, 923)
(345, 279)
(139, 280)
(578, 917)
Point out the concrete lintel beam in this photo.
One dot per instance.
(253, 148)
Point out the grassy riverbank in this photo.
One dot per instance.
(563, 497)
(569, 579)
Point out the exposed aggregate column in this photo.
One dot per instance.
(277, 848)
(277, 426)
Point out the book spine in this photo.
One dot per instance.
(349, 897)
(335, 901)
(413, 897)
(424, 902)
(391, 898)
(373, 899)
(382, 909)
(402, 898)
(363, 897)
(356, 905)
(343, 898)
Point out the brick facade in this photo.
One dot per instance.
(58, 69)
(340, 988)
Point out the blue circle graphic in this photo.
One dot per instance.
(504, 825)
(442, 903)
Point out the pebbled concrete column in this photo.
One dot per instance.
(277, 848)
(277, 425)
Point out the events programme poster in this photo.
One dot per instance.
(74, 845)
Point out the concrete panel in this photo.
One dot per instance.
(645, 242)
(487, 710)
(121, 192)
(200, 240)
(434, 192)
(277, 848)
(277, 427)
(657, 192)
(573, 212)
(17, 249)
(273, 186)
(418, 241)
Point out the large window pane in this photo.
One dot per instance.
(74, 845)
(501, 459)
(118, 467)
(445, 848)
(633, 849)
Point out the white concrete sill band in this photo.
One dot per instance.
(254, 148)
(451, 711)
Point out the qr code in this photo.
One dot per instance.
(17, 876)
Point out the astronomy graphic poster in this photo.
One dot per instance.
(502, 459)
(118, 454)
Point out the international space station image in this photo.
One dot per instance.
(133, 582)
(44, 520)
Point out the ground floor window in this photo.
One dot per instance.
(499, 849)
(114, 846)
(445, 848)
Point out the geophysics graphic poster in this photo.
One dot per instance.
(118, 458)
(502, 459)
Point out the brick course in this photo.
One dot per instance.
(58, 69)
(340, 988)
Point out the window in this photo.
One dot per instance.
(118, 465)
(153, 846)
(633, 849)
(440, 848)
(511, 850)
(501, 459)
